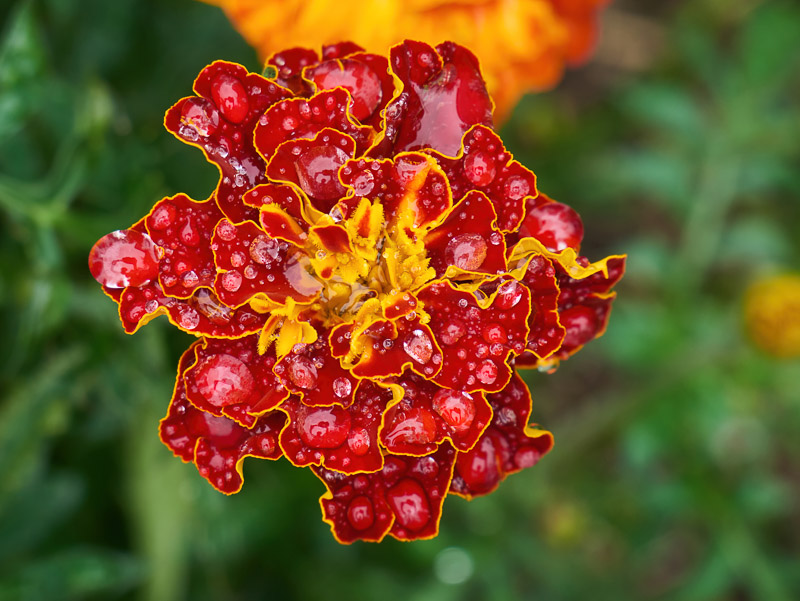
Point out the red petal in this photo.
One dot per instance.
(428, 414)
(547, 334)
(410, 183)
(468, 238)
(476, 342)
(203, 314)
(286, 197)
(391, 346)
(340, 50)
(484, 164)
(342, 439)
(229, 378)
(334, 238)
(228, 143)
(253, 263)
(313, 164)
(300, 118)
(443, 96)
(508, 445)
(584, 305)
(183, 228)
(365, 76)
(217, 445)
(290, 64)
(311, 372)
(404, 499)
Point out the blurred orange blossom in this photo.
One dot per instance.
(523, 45)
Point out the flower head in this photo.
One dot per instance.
(362, 283)
(772, 314)
(524, 45)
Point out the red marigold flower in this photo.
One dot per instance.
(365, 279)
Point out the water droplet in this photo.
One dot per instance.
(263, 249)
(224, 380)
(581, 324)
(479, 167)
(494, 333)
(452, 331)
(207, 303)
(238, 259)
(151, 306)
(289, 123)
(189, 234)
(409, 503)
(358, 441)
(201, 116)
(342, 387)
(302, 372)
(317, 171)
(190, 279)
(456, 408)
(526, 457)
(231, 280)
(487, 372)
(163, 216)
(363, 183)
(124, 258)
(508, 295)
(360, 513)
(466, 251)
(231, 97)
(188, 318)
(417, 345)
(323, 427)
(417, 427)
(517, 187)
(226, 230)
(555, 225)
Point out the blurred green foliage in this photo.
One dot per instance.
(676, 473)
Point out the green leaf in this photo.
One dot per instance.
(73, 574)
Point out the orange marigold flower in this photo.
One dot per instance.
(363, 282)
(524, 45)
(772, 314)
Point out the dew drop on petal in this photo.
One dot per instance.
(417, 427)
(230, 96)
(363, 183)
(487, 372)
(188, 318)
(516, 188)
(207, 303)
(360, 513)
(494, 334)
(317, 171)
(231, 280)
(555, 225)
(455, 407)
(302, 372)
(238, 259)
(124, 258)
(581, 325)
(342, 387)
(323, 427)
(358, 441)
(263, 249)
(479, 168)
(410, 504)
(417, 345)
(200, 115)
(508, 295)
(452, 331)
(224, 380)
(189, 234)
(526, 457)
(163, 216)
(466, 251)
(225, 230)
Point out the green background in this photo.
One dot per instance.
(676, 471)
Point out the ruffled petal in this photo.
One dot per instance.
(216, 445)
(220, 122)
(509, 444)
(230, 378)
(404, 499)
